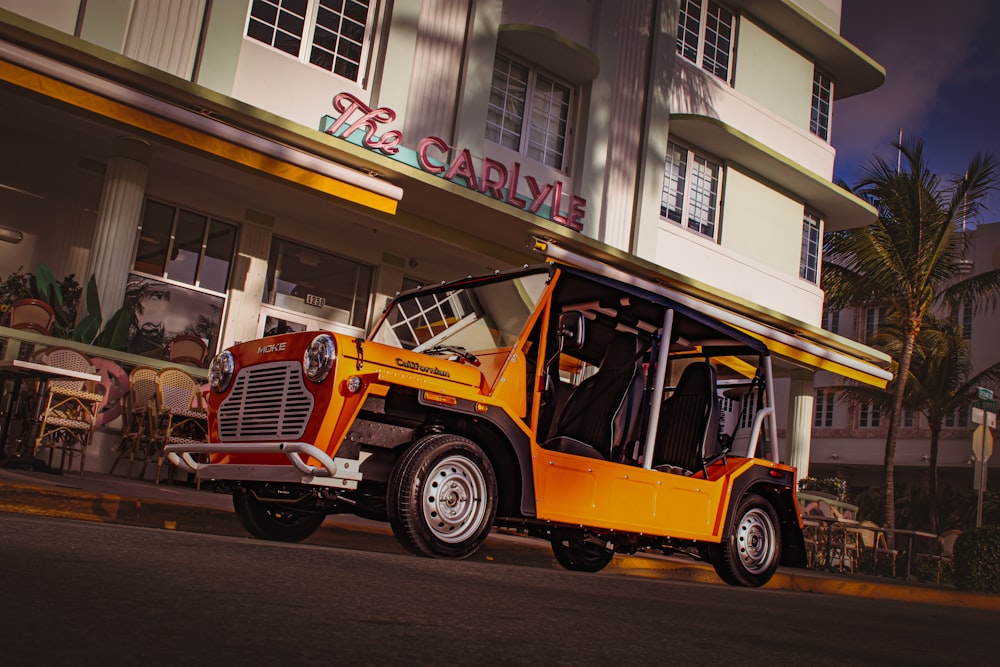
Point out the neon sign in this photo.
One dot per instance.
(492, 178)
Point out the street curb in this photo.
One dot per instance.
(78, 504)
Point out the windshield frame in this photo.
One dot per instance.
(459, 296)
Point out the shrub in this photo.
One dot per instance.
(977, 560)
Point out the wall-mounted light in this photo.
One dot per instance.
(834, 456)
(11, 235)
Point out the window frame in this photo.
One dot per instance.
(821, 107)
(812, 248)
(692, 36)
(308, 38)
(668, 192)
(164, 275)
(531, 89)
(869, 416)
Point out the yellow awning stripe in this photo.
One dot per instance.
(161, 127)
(808, 359)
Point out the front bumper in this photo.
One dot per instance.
(337, 472)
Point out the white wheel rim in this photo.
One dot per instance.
(756, 541)
(454, 499)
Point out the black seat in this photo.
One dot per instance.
(687, 435)
(600, 415)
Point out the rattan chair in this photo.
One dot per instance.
(30, 315)
(137, 407)
(178, 414)
(68, 408)
(943, 555)
(187, 349)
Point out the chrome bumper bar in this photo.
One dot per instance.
(335, 472)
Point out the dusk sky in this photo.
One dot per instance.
(942, 62)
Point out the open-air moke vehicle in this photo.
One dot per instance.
(600, 413)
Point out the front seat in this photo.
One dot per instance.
(687, 435)
(600, 414)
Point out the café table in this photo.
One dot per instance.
(910, 535)
(18, 372)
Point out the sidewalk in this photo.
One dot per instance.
(112, 499)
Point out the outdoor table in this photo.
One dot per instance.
(18, 371)
(909, 534)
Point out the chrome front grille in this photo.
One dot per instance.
(267, 402)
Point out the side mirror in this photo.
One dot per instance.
(571, 330)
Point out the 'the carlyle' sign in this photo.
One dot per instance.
(484, 175)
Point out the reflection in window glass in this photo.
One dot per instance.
(188, 237)
(318, 284)
(169, 310)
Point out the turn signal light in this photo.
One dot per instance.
(440, 398)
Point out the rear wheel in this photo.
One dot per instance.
(274, 521)
(750, 556)
(576, 551)
(442, 497)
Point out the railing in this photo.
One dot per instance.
(16, 337)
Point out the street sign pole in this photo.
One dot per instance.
(982, 449)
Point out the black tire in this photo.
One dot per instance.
(751, 553)
(274, 521)
(574, 552)
(442, 497)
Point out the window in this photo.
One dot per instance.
(705, 36)
(185, 246)
(823, 409)
(870, 416)
(907, 418)
(819, 119)
(331, 34)
(831, 320)
(963, 318)
(690, 190)
(317, 284)
(528, 111)
(809, 258)
(874, 318)
(958, 418)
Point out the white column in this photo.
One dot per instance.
(164, 34)
(247, 285)
(118, 220)
(800, 418)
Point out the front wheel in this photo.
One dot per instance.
(577, 551)
(274, 521)
(442, 497)
(751, 553)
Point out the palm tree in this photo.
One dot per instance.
(911, 258)
(940, 383)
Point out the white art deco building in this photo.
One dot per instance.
(277, 164)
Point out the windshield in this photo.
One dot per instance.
(474, 317)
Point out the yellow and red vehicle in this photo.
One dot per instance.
(597, 412)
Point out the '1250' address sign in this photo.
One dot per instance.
(493, 178)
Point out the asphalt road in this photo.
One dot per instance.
(85, 593)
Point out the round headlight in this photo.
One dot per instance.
(319, 357)
(220, 372)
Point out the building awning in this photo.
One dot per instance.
(148, 114)
(839, 208)
(787, 339)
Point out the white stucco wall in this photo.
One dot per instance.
(773, 74)
(762, 224)
(58, 14)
